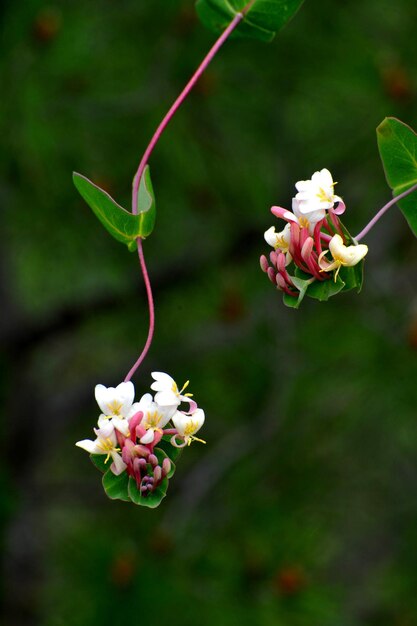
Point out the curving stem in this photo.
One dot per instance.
(137, 178)
(151, 311)
(381, 212)
(178, 102)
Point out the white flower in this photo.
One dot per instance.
(116, 405)
(187, 426)
(105, 444)
(316, 194)
(155, 417)
(342, 255)
(167, 390)
(307, 221)
(280, 241)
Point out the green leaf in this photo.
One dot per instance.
(146, 204)
(323, 290)
(262, 20)
(121, 224)
(99, 460)
(116, 487)
(152, 500)
(352, 277)
(302, 285)
(397, 145)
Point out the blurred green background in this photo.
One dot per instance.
(301, 510)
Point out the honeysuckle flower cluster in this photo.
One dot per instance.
(314, 245)
(128, 432)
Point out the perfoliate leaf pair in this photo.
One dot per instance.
(262, 18)
(121, 224)
(124, 487)
(397, 144)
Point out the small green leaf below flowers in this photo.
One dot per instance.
(397, 145)
(116, 487)
(323, 290)
(121, 224)
(99, 460)
(262, 18)
(302, 285)
(153, 499)
(348, 278)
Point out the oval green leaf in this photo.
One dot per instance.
(121, 224)
(152, 500)
(146, 204)
(262, 18)
(397, 145)
(99, 460)
(116, 487)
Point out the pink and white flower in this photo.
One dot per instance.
(317, 195)
(155, 417)
(187, 424)
(342, 255)
(105, 443)
(167, 390)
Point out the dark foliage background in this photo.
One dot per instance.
(302, 509)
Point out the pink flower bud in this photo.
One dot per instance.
(157, 473)
(307, 248)
(166, 466)
(273, 257)
(271, 274)
(281, 262)
(153, 460)
(264, 263)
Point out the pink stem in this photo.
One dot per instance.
(151, 311)
(137, 178)
(381, 212)
(183, 95)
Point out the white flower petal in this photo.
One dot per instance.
(346, 255)
(187, 425)
(148, 437)
(101, 396)
(125, 394)
(122, 425)
(103, 421)
(167, 398)
(118, 465)
(106, 431)
(90, 446)
(162, 381)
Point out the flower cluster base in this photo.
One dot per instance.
(137, 442)
(314, 254)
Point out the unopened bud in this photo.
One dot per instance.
(157, 473)
(280, 281)
(127, 451)
(166, 466)
(153, 460)
(264, 263)
(307, 248)
(281, 262)
(271, 274)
